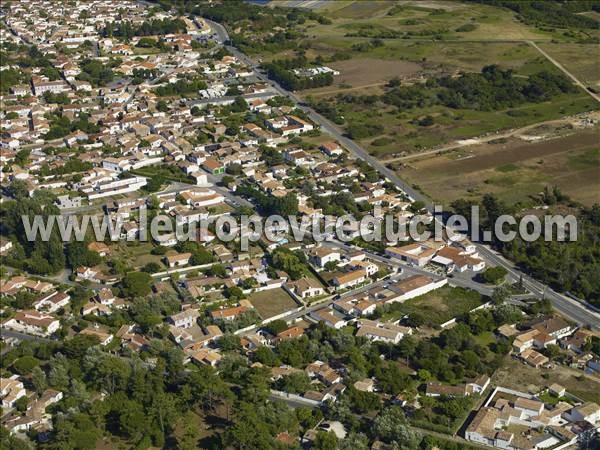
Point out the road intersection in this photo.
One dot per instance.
(566, 306)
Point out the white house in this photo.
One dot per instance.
(328, 317)
(52, 302)
(305, 288)
(349, 279)
(589, 412)
(380, 331)
(413, 287)
(178, 259)
(11, 389)
(33, 322)
(184, 319)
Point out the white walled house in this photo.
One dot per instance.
(413, 287)
(33, 322)
(11, 389)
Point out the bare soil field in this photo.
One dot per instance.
(514, 170)
(368, 71)
(515, 375)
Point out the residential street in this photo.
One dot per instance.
(566, 306)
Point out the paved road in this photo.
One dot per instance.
(566, 306)
(6, 333)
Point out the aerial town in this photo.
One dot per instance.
(118, 108)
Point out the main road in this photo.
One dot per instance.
(564, 305)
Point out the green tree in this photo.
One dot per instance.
(494, 275)
(38, 379)
(391, 426)
(25, 364)
(295, 383)
(162, 106)
(21, 403)
(136, 284)
(325, 441)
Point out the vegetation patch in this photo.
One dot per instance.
(272, 302)
(508, 167)
(435, 307)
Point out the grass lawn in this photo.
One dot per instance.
(136, 254)
(427, 18)
(439, 306)
(272, 302)
(167, 172)
(485, 339)
(146, 50)
(550, 399)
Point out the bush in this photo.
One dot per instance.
(25, 364)
(379, 142)
(494, 275)
(21, 403)
(151, 267)
(466, 28)
(158, 250)
(136, 284)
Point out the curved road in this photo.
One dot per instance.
(564, 305)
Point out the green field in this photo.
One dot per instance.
(272, 302)
(515, 171)
(403, 135)
(136, 254)
(428, 18)
(437, 307)
(580, 59)
(422, 40)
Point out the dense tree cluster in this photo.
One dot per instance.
(551, 13)
(60, 126)
(71, 166)
(38, 256)
(269, 204)
(95, 72)
(570, 266)
(293, 263)
(11, 77)
(492, 89)
(127, 30)
(290, 81)
(180, 87)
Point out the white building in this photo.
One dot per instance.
(114, 187)
(11, 389)
(589, 412)
(413, 287)
(184, 319)
(33, 322)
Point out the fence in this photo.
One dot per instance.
(453, 320)
(296, 398)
